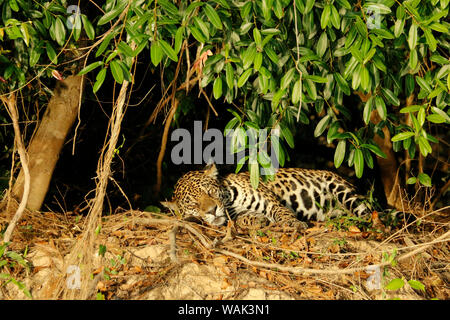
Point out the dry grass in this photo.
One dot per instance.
(322, 263)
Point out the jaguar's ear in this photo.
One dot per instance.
(211, 170)
(172, 205)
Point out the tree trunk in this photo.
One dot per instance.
(388, 166)
(45, 146)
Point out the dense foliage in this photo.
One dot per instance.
(280, 62)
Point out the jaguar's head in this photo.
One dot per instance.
(199, 194)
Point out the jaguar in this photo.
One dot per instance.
(293, 197)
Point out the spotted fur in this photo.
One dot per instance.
(295, 195)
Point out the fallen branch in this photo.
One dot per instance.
(294, 270)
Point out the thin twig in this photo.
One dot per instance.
(162, 151)
(10, 103)
(173, 244)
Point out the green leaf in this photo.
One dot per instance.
(322, 44)
(339, 154)
(169, 7)
(342, 83)
(315, 78)
(413, 108)
(441, 113)
(375, 149)
(229, 75)
(362, 27)
(439, 59)
(287, 78)
(413, 59)
(335, 17)
(365, 78)
(99, 80)
(271, 54)
(91, 67)
(369, 55)
(412, 36)
(411, 180)
(13, 5)
(51, 53)
(424, 179)
(356, 77)
(258, 61)
(35, 54)
(213, 16)
(270, 31)
(108, 16)
(25, 33)
(325, 17)
(310, 89)
(368, 110)
(424, 146)
(402, 136)
(197, 34)
(356, 52)
(359, 163)
(379, 63)
(390, 96)
(416, 285)
(217, 87)
(322, 125)
(264, 159)
(296, 92)
(116, 71)
(257, 37)
(202, 27)
(125, 49)
(90, 31)
(421, 116)
(351, 65)
(277, 149)
(287, 134)
(367, 158)
(435, 118)
(60, 31)
(168, 50)
(249, 56)
(104, 44)
(156, 53)
(345, 4)
(377, 7)
(381, 107)
(398, 27)
(395, 284)
(151, 208)
(245, 10)
(277, 98)
(244, 77)
(309, 4)
(179, 39)
(431, 40)
(254, 173)
(423, 84)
